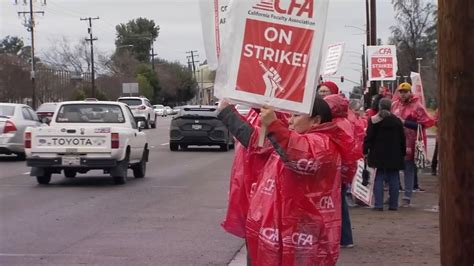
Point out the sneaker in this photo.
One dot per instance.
(406, 203)
(393, 209)
(347, 246)
(378, 209)
(419, 190)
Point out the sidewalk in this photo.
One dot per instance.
(409, 236)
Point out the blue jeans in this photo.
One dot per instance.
(346, 229)
(410, 169)
(392, 177)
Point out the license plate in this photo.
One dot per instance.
(71, 160)
(197, 127)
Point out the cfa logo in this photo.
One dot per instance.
(385, 51)
(299, 239)
(269, 186)
(305, 165)
(269, 234)
(326, 203)
(297, 8)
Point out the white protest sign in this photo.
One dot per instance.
(361, 192)
(333, 59)
(213, 20)
(272, 53)
(417, 86)
(382, 62)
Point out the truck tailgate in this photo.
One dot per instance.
(71, 139)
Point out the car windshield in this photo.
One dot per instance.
(90, 113)
(131, 102)
(47, 107)
(7, 110)
(158, 106)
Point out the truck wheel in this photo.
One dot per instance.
(174, 147)
(139, 169)
(70, 173)
(44, 179)
(122, 178)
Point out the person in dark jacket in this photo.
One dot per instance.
(385, 146)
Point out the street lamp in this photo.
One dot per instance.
(419, 64)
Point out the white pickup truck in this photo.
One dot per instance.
(84, 136)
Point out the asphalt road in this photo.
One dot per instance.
(171, 217)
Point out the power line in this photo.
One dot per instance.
(30, 26)
(91, 39)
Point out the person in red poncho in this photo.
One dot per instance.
(351, 134)
(294, 214)
(413, 114)
(246, 169)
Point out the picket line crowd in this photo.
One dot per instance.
(287, 194)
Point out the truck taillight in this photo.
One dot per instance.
(9, 127)
(27, 140)
(141, 107)
(115, 142)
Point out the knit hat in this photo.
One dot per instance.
(332, 86)
(404, 86)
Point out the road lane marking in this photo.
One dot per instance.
(26, 173)
(164, 144)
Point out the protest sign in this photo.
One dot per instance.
(213, 21)
(417, 86)
(272, 53)
(382, 62)
(333, 59)
(361, 192)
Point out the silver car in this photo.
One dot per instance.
(14, 119)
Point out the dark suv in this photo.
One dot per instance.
(198, 125)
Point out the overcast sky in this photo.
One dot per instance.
(180, 25)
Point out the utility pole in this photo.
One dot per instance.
(30, 26)
(91, 39)
(456, 76)
(193, 65)
(153, 58)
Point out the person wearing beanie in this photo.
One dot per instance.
(412, 114)
(327, 88)
(384, 148)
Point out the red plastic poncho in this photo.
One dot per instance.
(246, 169)
(349, 144)
(295, 213)
(414, 111)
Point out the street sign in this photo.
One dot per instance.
(130, 88)
(382, 62)
(333, 59)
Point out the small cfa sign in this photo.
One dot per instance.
(382, 62)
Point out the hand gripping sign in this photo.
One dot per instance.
(271, 53)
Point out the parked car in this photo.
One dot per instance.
(168, 110)
(176, 110)
(14, 119)
(242, 109)
(198, 125)
(142, 110)
(46, 111)
(159, 109)
(85, 136)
